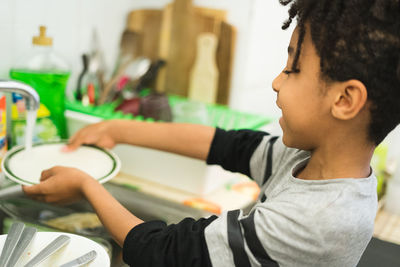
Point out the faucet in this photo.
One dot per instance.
(32, 100)
(32, 103)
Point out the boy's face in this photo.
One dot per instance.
(302, 98)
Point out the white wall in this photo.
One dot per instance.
(265, 56)
(69, 22)
(260, 49)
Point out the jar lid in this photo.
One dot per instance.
(42, 39)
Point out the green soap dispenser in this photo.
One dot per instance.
(48, 74)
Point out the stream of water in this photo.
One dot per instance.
(30, 126)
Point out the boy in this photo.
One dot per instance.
(339, 95)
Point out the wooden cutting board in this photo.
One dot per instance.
(225, 56)
(203, 83)
(147, 22)
(171, 34)
(178, 47)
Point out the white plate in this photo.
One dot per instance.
(25, 167)
(77, 246)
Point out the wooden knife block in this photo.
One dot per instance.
(171, 34)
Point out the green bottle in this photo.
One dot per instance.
(48, 74)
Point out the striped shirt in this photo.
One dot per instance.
(294, 222)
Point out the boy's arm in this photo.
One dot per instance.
(234, 149)
(150, 243)
(155, 243)
(144, 243)
(115, 217)
(185, 139)
(63, 185)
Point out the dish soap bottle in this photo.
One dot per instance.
(48, 74)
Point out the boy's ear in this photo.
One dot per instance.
(350, 98)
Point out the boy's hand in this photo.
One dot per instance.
(100, 134)
(60, 185)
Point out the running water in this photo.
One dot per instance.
(30, 126)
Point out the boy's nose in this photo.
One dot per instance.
(276, 83)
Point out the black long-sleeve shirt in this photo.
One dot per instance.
(155, 244)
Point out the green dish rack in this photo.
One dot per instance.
(220, 116)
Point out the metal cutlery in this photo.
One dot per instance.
(88, 257)
(24, 241)
(11, 241)
(55, 245)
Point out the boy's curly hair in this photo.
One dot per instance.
(356, 39)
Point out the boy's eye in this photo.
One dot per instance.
(287, 72)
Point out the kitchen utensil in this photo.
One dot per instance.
(91, 92)
(129, 49)
(76, 247)
(12, 239)
(97, 64)
(25, 167)
(26, 238)
(135, 67)
(134, 70)
(85, 63)
(147, 80)
(55, 245)
(91, 80)
(134, 73)
(130, 106)
(88, 257)
(138, 68)
(204, 74)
